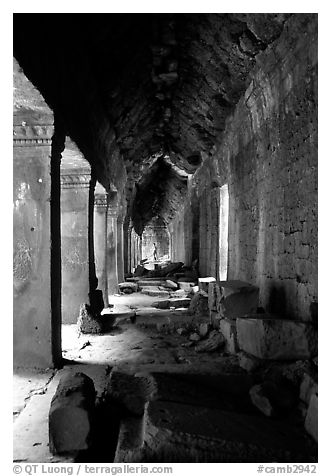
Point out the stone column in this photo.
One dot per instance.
(75, 257)
(34, 322)
(126, 245)
(100, 243)
(120, 249)
(140, 249)
(112, 250)
(58, 145)
(95, 295)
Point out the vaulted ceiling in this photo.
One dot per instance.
(157, 86)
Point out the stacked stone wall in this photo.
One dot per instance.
(268, 157)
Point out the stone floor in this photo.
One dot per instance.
(150, 344)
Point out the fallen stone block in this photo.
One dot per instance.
(87, 323)
(204, 329)
(171, 268)
(187, 287)
(261, 401)
(311, 421)
(204, 283)
(274, 397)
(194, 289)
(71, 414)
(214, 342)
(131, 390)
(194, 337)
(308, 388)
(178, 294)
(276, 339)
(128, 287)
(248, 362)
(150, 282)
(170, 284)
(181, 302)
(164, 304)
(154, 291)
(199, 305)
(140, 271)
(172, 303)
(228, 329)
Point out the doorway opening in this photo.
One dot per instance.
(155, 235)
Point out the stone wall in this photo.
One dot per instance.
(31, 261)
(74, 242)
(268, 157)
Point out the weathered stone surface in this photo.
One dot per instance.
(130, 441)
(204, 283)
(154, 291)
(276, 338)
(140, 271)
(182, 302)
(167, 270)
(150, 282)
(311, 421)
(248, 362)
(194, 337)
(308, 388)
(131, 390)
(165, 327)
(177, 432)
(164, 304)
(214, 297)
(214, 342)
(194, 289)
(204, 328)
(228, 329)
(237, 298)
(180, 293)
(186, 286)
(199, 305)
(71, 414)
(274, 397)
(170, 284)
(172, 302)
(261, 401)
(89, 324)
(131, 286)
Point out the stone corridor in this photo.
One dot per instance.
(165, 238)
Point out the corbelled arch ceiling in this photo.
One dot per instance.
(156, 87)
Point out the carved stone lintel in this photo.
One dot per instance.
(34, 135)
(79, 180)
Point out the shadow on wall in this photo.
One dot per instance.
(277, 303)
